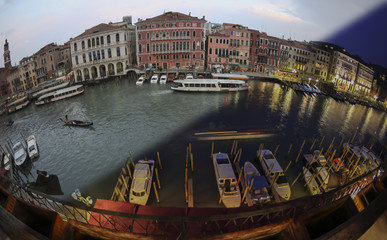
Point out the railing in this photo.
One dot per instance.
(189, 226)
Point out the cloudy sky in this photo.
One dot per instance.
(30, 25)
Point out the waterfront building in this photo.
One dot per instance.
(343, 69)
(264, 52)
(47, 59)
(172, 40)
(13, 81)
(104, 50)
(323, 58)
(27, 73)
(297, 60)
(239, 46)
(364, 79)
(218, 51)
(64, 65)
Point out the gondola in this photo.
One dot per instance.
(77, 123)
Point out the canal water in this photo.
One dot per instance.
(148, 119)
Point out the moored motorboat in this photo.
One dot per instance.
(140, 81)
(315, 174)
(274, 173)
(226, 180)
(19, 154)
(32, 147)
(258, 184)
(142, 182)
(310, 181)
(7, 161)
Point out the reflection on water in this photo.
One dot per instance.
(152, 118)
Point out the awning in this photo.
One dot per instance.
(243, 65)
(250, 65)
(287, 72)
(270, 68)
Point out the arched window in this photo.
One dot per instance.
(117, 37)
(83, 44)
(101, 40)
(108, 39)
(97, 41)
(88, 43)
(93, 42)
(75, 47)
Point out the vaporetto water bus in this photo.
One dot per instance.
(18, 104)
(50, 89)
(209, 85)
(60, 94)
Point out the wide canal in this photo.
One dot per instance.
(148, 119)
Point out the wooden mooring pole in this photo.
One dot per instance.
(157, 195)
(322, 140)
(158, 157)
(302, 146)
(157, 177)
(311, 147)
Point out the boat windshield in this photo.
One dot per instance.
(268, 156)
(31, 148)
(281, 180)
(138, 194)
(222, 160)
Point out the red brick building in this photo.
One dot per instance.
(171, 41)
(264, 51)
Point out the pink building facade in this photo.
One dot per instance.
(264, 52)
(171, 41)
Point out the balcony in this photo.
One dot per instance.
(170, 38)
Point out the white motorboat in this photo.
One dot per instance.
(32, 147)
(310, 181)
(140, 81)
(368, 161)
(275, 173)
(6, 161)
(258, 183)
(226, 180)
(318, 172)
(163, 79)
(154, 79)
(19, 154)
(142, 182)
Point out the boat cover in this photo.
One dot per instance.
(259, 181)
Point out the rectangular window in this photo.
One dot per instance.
(118, 52)
(109, 53)
(139, 36)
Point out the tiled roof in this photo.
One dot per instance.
(217, 34)
(47, 47)
(170, 16)
(103, 27)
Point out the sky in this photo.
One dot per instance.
(30, 25)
